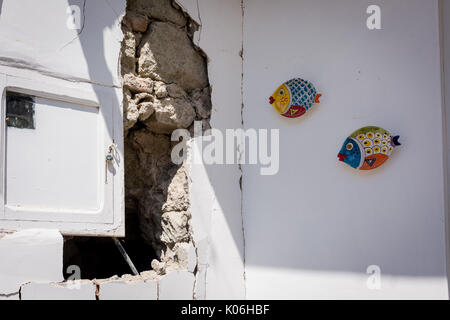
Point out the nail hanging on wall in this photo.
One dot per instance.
(294, 97)
(368, 148)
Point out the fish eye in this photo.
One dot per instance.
(349, 146)
(281, 92)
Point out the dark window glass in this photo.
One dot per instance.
(19, 111)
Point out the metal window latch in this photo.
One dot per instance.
(109, 158)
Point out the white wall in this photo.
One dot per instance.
(444, 7)
(313, 229)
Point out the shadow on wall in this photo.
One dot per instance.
(90, 37)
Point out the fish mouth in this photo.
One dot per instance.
(271, 100)
(341, 156)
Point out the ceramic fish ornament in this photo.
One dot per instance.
(294, 97)
(368, 148)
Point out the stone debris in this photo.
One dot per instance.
(145, 110)
(161, 90)
(128, 52)
(137, 84)
(170, 114)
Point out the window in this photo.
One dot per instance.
(19, 111)
(62, 156)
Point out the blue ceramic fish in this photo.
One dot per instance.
(368, 148)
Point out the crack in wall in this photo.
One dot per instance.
(240, 167)
(8, 295)
(35, 67)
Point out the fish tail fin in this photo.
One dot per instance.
(317, 98)
(395, 141)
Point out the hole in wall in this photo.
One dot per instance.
(99, 258)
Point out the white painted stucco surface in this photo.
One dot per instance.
(312, 230)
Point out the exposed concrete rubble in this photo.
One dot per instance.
(165, 88)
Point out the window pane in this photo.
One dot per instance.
(19, 111)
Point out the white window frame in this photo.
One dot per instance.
(108, 219)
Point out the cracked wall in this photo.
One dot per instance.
(165, 88)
